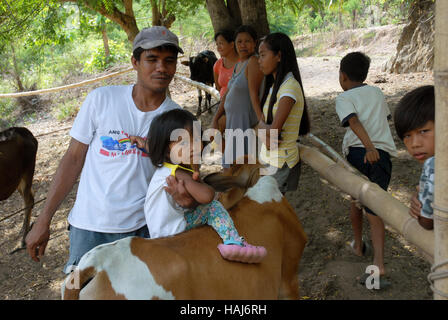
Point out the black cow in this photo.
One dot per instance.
(18, 148)
(201, 70)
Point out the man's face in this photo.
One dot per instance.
(156, 68)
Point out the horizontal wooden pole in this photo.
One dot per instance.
(392, 211)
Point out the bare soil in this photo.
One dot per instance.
(328, 269)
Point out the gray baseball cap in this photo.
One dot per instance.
(149, 38)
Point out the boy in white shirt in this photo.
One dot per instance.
(368, 145)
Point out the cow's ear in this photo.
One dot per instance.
(185, 63)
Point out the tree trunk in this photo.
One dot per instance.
(415, 49)
(354, 19)
(125, 19)
(105, 41)
(234, 13)
(253, 13)
(224, 16)
(160, 16)
(441, 144)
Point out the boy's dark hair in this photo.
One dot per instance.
(229, 35)
(280, 42)
(356, 66)
(160, 132)
(414, 110)
(138, 52)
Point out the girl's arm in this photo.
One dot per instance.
(372, 154)
(201, 192)
(254, 78)
(285, 105)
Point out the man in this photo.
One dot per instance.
(114, 174)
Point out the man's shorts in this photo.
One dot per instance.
(379, 172)
(82, 241)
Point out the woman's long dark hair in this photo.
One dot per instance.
(280, 42)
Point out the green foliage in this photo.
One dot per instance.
(66, 110)
(7, 112)
(98, 61)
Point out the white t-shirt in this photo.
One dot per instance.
(164, 216)
(115, 176)
(369, 105)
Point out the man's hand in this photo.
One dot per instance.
(372, 156)
(416, 206)
(37, 240)
(180, 195)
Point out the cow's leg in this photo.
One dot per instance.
(289, 287)
(208, 97)
(198, 113)
(28, 197)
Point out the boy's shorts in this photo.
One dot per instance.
(379, 172)
(82, 241)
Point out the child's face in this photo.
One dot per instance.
(267, 60)
(420, 142)
(186, 150)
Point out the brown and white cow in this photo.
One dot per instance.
(189, 265)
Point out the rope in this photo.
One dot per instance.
(70, 86)
(437, 275)
(18, 211)
(439, 208)
(47, 133)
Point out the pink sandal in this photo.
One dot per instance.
(246, 253)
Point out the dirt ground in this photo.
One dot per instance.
(328, 269)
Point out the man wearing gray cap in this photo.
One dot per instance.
(114, 173)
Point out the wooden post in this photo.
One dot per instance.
(441, 145)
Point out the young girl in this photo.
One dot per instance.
(163, 216)
(284, 108)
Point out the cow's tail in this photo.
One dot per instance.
(75, 282)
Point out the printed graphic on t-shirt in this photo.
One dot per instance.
(120, 146)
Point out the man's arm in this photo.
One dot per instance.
(66, 175)
(372, 155)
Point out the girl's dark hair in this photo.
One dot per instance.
(280, 42)
(160, 132)
(414, 110)
(229, 35)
